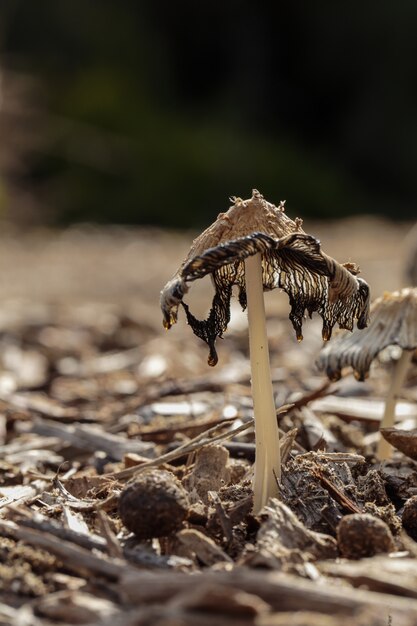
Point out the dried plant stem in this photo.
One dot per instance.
(267, 456)
(384, 449)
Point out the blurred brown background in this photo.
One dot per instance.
(146, 113)
(150, 116)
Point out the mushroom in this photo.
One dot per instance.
(393, 323)
(255, 246)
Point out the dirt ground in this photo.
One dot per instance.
(94, 392)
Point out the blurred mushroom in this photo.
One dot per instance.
(256, 247)
(393, 323)
(410, 269)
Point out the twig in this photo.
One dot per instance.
(308, 397)
(113, 546)
(75, 558)
(282, 592)
(346, 503)
(194, 444)
(89, 438)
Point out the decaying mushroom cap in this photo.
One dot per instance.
(291, 260)
(393, 323)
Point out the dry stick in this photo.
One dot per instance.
(76, 558)
(345, 502)
(196, 443)
(283, 592)
(319, 392)
(384, 449)
(113, 546)
(267, 456)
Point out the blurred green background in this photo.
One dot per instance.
(156, 112)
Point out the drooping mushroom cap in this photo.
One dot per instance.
(393, 323)
(291, 260)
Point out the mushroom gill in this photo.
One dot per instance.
(291, 260)
(393, 323)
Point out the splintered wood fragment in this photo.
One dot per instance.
(282, 536)
(286, 444)
(113, 546)
(215, 599)
(210, 614)
(40, 404)
(204, 548)
(89, 438)
(404, 440)
(283, 592)
(20, 493)
(44, 525)
(85, 504)
(141, 557)
(75, 558)
(74, 608)
(74, 521)
(19, 446)
(210, 471)
(341, 498)
(340, 457)
(381, 574)
(361, 409)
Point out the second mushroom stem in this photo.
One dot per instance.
(267, 453)
(384, 449)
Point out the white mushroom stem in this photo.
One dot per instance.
(384, 449)
(267, 453)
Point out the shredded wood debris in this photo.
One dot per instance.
(96, 403)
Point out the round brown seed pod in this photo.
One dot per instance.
(409, 517)
(361, 535)
(154, 505)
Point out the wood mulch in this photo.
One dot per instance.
(126, 462)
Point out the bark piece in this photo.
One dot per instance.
(91, 438)
(74, 608)
(283, 541)
(282, 592)
(380, 573)
(365, 617)
(76, 558)
(210, 472)
(404, 440)
(409, 517)
(316, 490)
(360, 409)
(204, 548)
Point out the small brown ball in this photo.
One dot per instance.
(361, 535)
(154, 505)
(409, 517)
